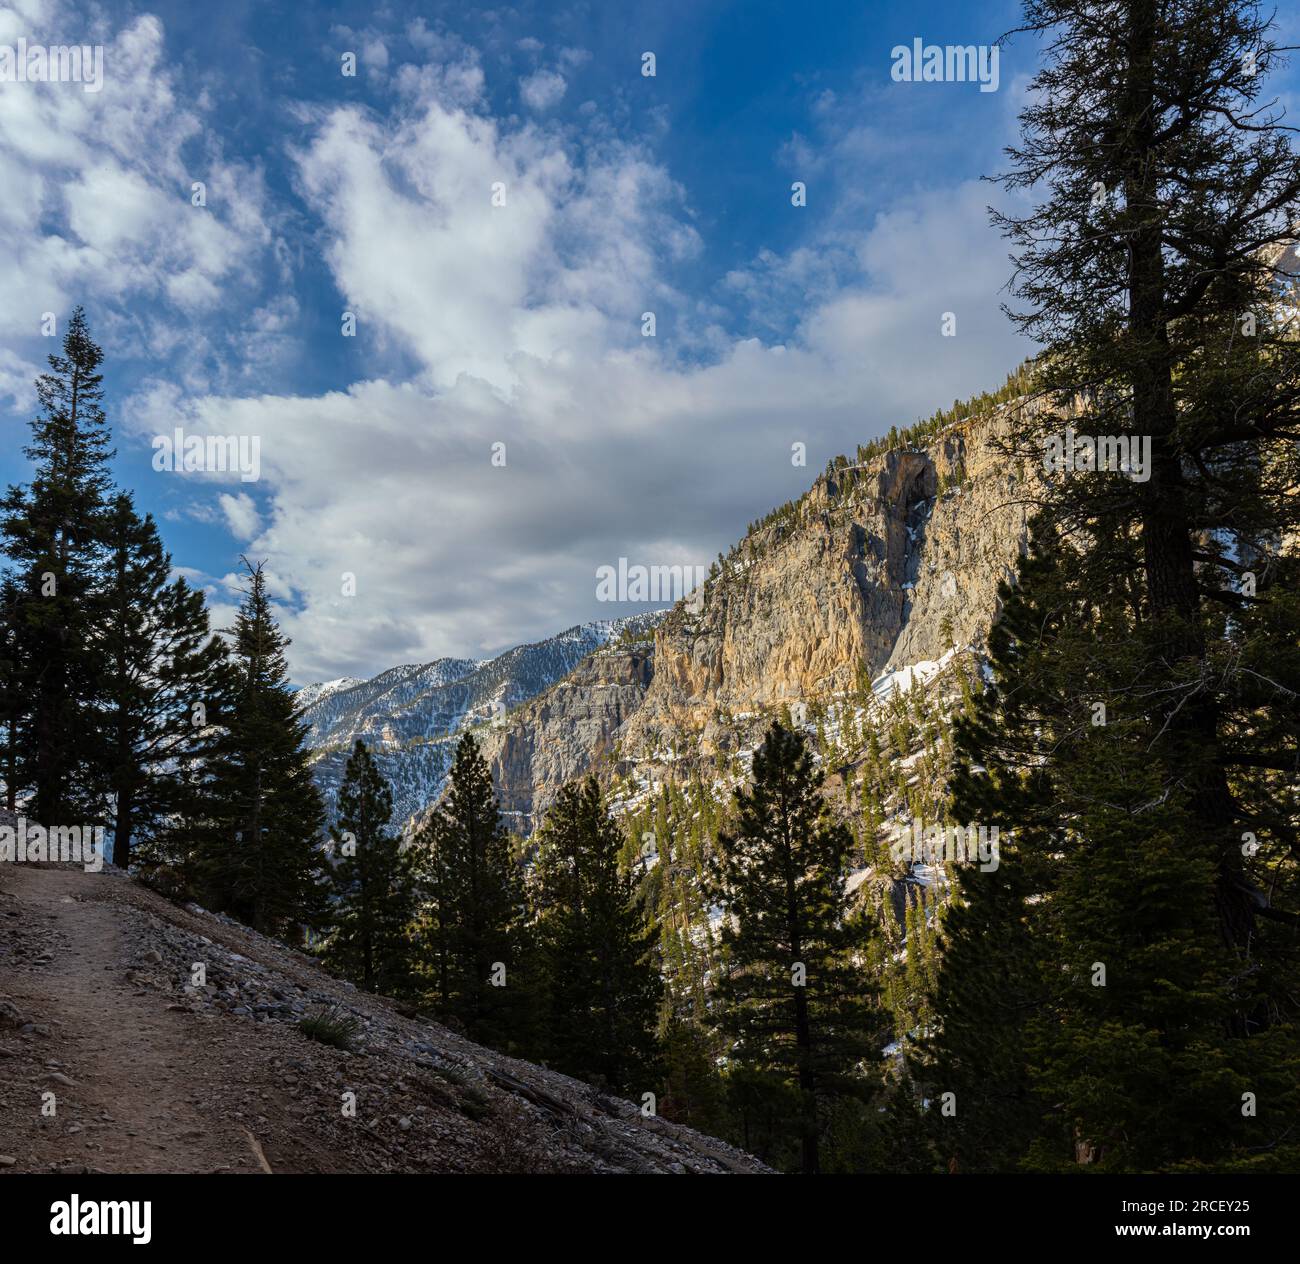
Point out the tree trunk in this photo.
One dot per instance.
(11, 764)
(1188, 745)
(123, 826)
(807, 1084)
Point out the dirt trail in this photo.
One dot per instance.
(134, 1065)
(154, 1070)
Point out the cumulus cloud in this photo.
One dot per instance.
(16, 377)
(611, 449)
(99, 204)
(542, 89)
(241, 515)
(470, 244)
(537, 435)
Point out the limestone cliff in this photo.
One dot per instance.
(558, 736)
(879, 566)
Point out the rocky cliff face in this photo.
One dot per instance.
(882, 565)
(867, 575)
(561, 734)
(879, 567)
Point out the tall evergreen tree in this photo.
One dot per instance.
(1086, 995)
(258, 842)
(692, 1088)
(794, 999)
(1156, 272)
(997, 969)
(603, 984)
(375, 884)
(12, 694)
(474, 919)
(161, 677)
(53, 538)
(1145, 926)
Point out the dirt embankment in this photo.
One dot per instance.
(113, 1060)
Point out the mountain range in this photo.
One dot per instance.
(411, 716)
(882, 571)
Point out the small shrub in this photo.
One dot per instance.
(334, 1026)
(475, 1103)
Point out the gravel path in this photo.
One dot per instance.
(151, 1073)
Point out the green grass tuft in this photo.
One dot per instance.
(334, 1026)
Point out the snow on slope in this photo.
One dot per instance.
(411, 716)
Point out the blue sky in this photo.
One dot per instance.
(518, 324)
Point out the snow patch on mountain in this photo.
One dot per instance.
(411, 716)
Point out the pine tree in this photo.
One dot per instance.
(991, 977)
(161, 675)
(374, 884)
(795, 1002)
(1154, 272)
(765, 1110)
(692, 1090)
(905, 1144)
(474, 915)
(53, 537)
(603, 984)
(1085, 992)
(1133, 973)
(12, 693)
(258, 841)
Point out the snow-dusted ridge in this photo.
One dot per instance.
(410, 715)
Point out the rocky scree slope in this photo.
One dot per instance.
(152, 1071)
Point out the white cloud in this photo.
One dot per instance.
(422, 254)
(542, 89)
(98, 195)
(16, 377)
(241, 515)
(523, 322)
(612, 450)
